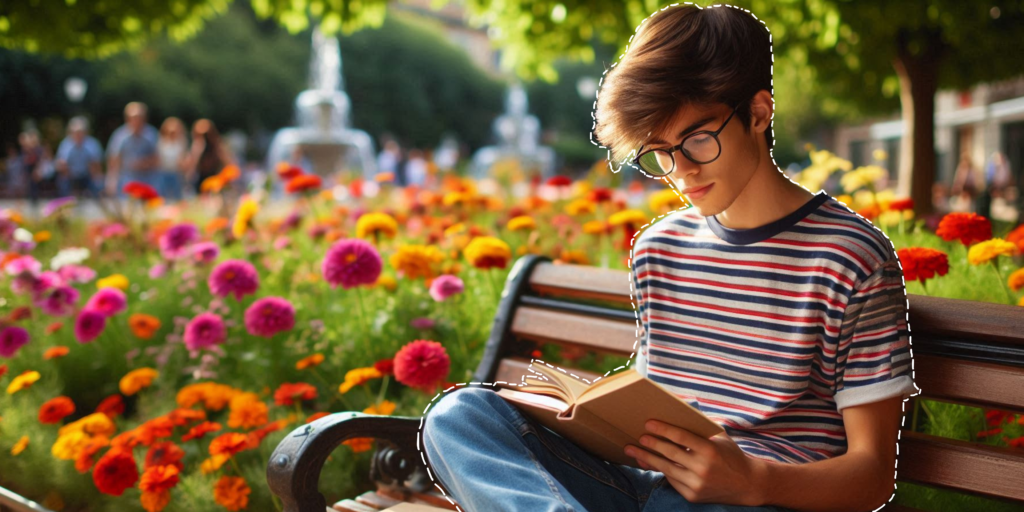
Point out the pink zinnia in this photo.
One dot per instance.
(234, 276)
(109, 301)
(444, 286)
(421, 364)
(23, 265)
(157, 271)
(77, 273)
(205, 252)
(269, 316)
(11, 339)
(89, 324)
(352, 262)
(60, 301)
(175, 242)
(205, 330)
(422, 323)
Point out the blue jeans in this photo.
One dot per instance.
(491, 458)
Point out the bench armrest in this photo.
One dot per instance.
(293, 472)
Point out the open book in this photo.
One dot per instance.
(604, 417)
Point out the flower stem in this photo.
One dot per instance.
(234, 464)
(1002, 282)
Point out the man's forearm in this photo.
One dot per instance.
(847, 483)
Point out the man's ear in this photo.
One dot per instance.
(762, 105)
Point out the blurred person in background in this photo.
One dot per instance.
(387, 159)
(997, 178)
(415, 168)
(131, 153)
(967, 183)
(34, 162)
(208, 155)
(79, 161)
(172, 149)
(15, 176)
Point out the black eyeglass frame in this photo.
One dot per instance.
(679, 147)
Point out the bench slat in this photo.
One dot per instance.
(587, 332)
(961, 466)
(969, 382)
(511, 369)
(352, 506)
(432, 498)
(973, 320)
(581, 282)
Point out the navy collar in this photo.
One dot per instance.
(761, 233)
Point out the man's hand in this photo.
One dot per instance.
(702, 470)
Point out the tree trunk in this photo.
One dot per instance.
(918, 75)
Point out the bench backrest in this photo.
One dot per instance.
(965, 352)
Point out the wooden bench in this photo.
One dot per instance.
(965, 352)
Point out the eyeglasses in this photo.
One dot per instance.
(701, 147)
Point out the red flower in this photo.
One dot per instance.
(55, 410)
(303, 183)
(182, 417)
(3, 370)
(288, 392)
(899, 205)
(112, 405)
(967, 227)
(600, 195)
(559, 181)
(164, 453)
(922, 263)
(990, 432)
(385, 366)
(315, 416)
(140, 191)
(85, 458)
(287, 172)
(421, 364)
(115, 472)
(159, 478)
(256, 436)
(20, 313)
(1016, 443)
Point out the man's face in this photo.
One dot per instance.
(78, 135)
(136, 120)
(728, 174)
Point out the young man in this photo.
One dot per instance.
(779, 313)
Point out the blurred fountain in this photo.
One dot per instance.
(518, 135)
(323, 142)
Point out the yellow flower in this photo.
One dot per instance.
(25, 380)
(455, 229)
(486, 251)
(862, 177)
(70, 445)
(118, 281)
(41, 236)
(19, 446)
(415, 261)
(635, 217)
(213, 463)
(370, 224)
(580, 207)
(892, 217)
(521, 222)
(136, 380)
(247, 209)
(983, 252)
(665, 200)
(93, 425)
(154, 203)
(880, 154)
(357, 376)
(845, 199)
(452, 198)
(385, 408)
(309, 361)
(387, 282)
(595, 227)
(576, 257)
(247, 411)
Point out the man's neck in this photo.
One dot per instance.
(768, 196)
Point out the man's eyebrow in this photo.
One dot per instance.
(692, 127)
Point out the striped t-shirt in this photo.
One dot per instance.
(772, 331)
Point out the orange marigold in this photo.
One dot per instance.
(303, 183)
(359, 444)
(115, 472)
(1016, 280)
(159, 478)
(922, 263)
(317, 415)
(154, 429)
(200, 430)
(87, 455)
(228, 444)
(247, 411)
(143, 326)
(181, 417)
(309, 361)
(155, 501)
(213, 396)
(256, 436)
(111, 406)
(288, 392)
(966, 227)
(138, 379)
(55, 410)
(55, 352)
(232, 493)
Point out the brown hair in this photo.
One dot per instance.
(681, 56)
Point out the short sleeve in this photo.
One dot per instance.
(63, 149)
(873, 360)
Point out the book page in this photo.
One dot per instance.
(572, 386)
(534, 399)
